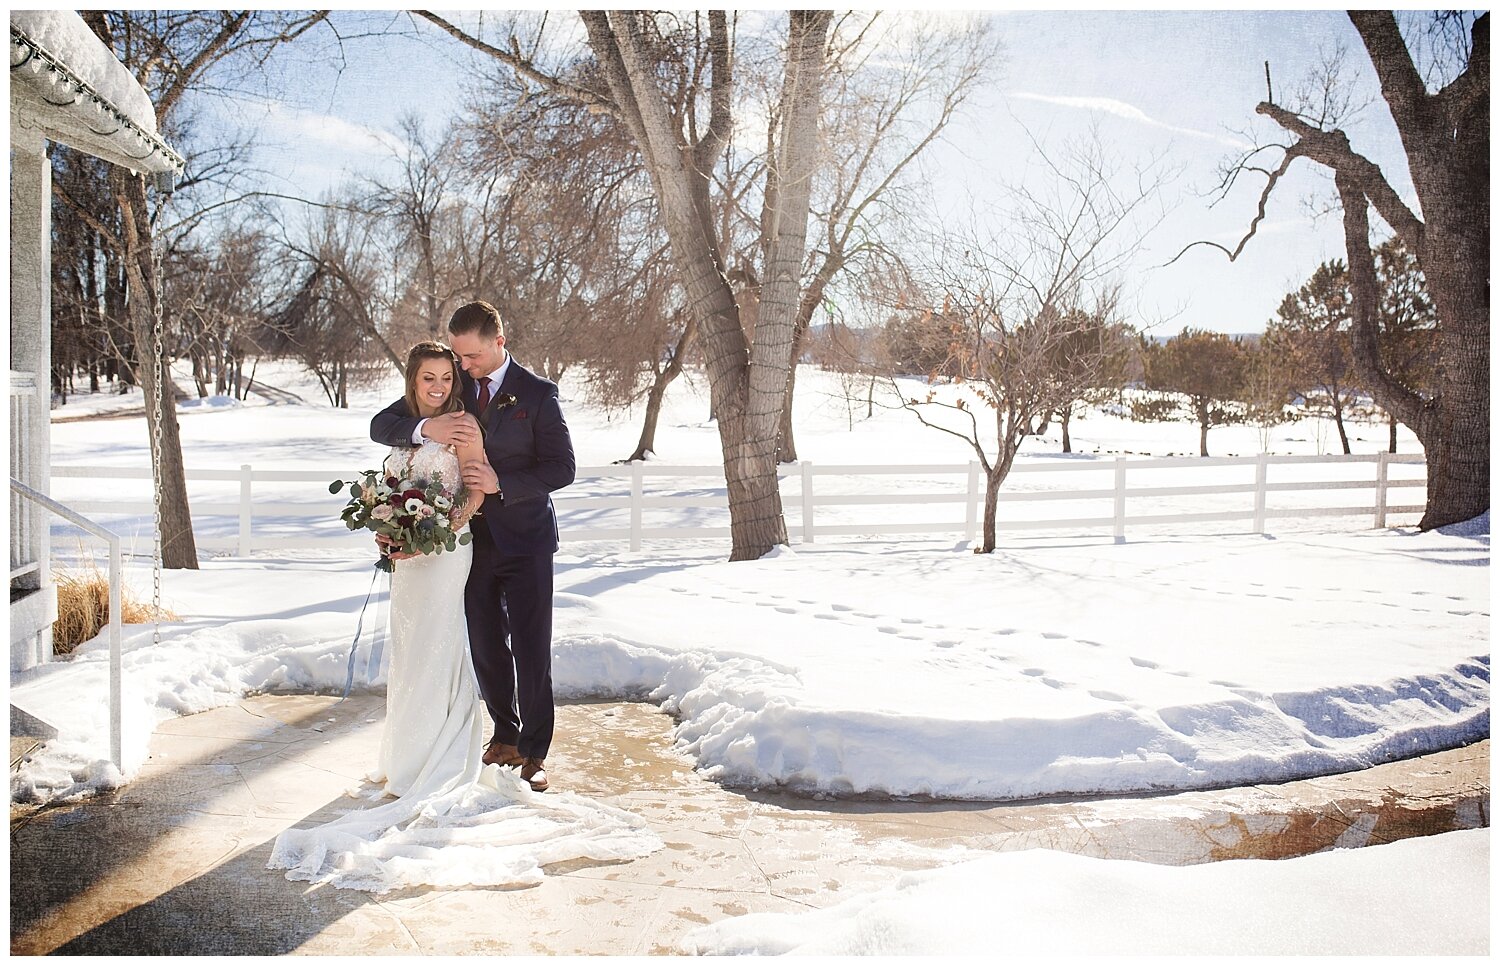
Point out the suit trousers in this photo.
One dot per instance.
(508, 603)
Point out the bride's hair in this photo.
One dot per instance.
(420, 353)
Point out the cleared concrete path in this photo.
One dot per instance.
(175, 862)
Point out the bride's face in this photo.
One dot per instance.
(434, 385)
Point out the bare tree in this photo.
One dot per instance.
(415, 203)
(632, 81)
(1444, 123)
(172, 53)
(1012, 302)
(893, 87)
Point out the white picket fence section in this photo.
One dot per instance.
(812, 510)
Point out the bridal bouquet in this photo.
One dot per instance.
(415, 514)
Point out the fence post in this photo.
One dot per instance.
(245, 509)
(637, 497)
(1262, 461)
(1382, 483)
(971, 508)
(807, 502)
(116, 741)
(1119, 499)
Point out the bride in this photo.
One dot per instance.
(455, 821)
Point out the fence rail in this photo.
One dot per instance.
(116, 576)
(802, 499)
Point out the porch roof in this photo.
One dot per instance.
(65, 83)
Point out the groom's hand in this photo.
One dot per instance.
(454, 429)
(480, 475)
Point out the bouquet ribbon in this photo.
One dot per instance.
(358, 631)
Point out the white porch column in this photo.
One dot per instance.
(31, 351)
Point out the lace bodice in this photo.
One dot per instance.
(428, 461)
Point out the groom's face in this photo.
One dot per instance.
(479, 356)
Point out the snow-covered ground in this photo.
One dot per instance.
(1064, 663)
(1042, 904)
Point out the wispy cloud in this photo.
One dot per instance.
(315, 131)
(1129, 112)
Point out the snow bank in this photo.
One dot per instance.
(1060, 664)
(1381, 900)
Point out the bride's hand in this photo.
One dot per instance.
(385, 545)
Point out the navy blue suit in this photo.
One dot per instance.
(508, 599)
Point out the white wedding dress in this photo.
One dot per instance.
(456, 822)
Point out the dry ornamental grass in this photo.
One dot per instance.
(83, 607)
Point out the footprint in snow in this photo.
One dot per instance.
(1142, 662)
(1107, 696)
(1053, 635)
(1033, 672)
(841, 607)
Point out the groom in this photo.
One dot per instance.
(508, 599)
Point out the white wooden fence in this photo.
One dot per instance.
(269, 523)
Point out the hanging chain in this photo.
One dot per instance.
(158, 361)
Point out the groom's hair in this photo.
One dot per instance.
(477, 317)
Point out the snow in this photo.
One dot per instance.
(64, 35)
(1045, 904)
(1061, 664)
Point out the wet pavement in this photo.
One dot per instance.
(175, 862)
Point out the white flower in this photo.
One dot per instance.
(383, 492)
(424, 511)
(444, 522)
(442, 502)
(404, 485)
(413, 505)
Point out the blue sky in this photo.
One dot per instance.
(1180, 82)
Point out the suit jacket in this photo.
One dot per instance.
(528, 445)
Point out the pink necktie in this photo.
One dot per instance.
(484, 393)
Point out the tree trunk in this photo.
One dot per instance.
(178, 549)
(1392, 420)
(1453, 426)
(992, 483)
(747, 381)
(647, 442)
(811, 299)
(1338, 420)
(786, 443)
(1066, 419)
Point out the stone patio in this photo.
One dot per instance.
(174, 864)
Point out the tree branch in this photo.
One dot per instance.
(1331, 148)
(1364, 287)
(525, 67)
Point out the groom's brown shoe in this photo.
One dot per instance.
(533, 774)
(506, 755)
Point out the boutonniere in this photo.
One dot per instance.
(505, 400)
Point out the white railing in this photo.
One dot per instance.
(308, 523)
(116, 575)
(23, 560)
